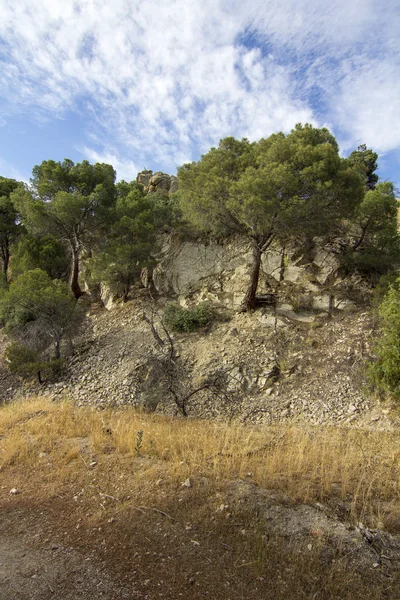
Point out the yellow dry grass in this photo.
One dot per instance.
(361, 468)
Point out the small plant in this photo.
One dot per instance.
(185, 320)
(27, 362)
(139, 442)
(300, 299)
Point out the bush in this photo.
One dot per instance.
(385, 371)
(188, 319)
(27, 362)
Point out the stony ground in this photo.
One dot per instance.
(274, 368)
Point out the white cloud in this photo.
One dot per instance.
(369, 107)
(161, 83)
(8, 170)
(126, 169)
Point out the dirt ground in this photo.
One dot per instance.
(82, 520)
(53, 549)
(47, 551)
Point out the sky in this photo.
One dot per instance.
(142, 84)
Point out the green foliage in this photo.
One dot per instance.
(44, 253)
(27, 362)
(10, 227)
(186, 320)
(374, 243)
(38, 312)
(204, 187)
(166, 212)
(3, 284)
(383, 286)
(119, 265)
(139, 442)
(127, 249)
(70, 202)
(51, 177)
(364, 160)
(385, 371)
(280, 188)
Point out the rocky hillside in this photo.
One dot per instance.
(299, 356)
(261, 367)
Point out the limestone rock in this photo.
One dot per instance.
(174, 185)
(144, 178)
(157, 182)
(219, 272)
(107, 297)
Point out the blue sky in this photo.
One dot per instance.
(141, 84)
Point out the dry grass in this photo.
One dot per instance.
(112, 480)
(359, 468)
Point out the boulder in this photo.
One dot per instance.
(157, 182)
(160, 182)
(144, 178)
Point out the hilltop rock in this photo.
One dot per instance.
(157, 182)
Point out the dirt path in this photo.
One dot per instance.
(36, 567)
(47, 553)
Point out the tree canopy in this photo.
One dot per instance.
(126, 250)
(70, 202)
(283, 187)
(364, 160)
(374, 243)
(39, 252)
(10, 227)
(38, 312)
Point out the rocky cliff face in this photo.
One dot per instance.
(300, 281)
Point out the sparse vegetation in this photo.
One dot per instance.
(186, 320)
(329, 464)
(38, 313)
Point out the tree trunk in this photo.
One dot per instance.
(39, 376)
(75, 287)
(6, 262)
(5, 258)
(57, 353)
(249, 301)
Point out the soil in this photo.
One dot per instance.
(254, 545)
(46, 552)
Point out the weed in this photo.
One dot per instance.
(139, 442)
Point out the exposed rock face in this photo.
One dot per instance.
(157, 182)
(220, 273)
(144, 178)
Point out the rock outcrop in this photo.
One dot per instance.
(302, 281)
(157, 182)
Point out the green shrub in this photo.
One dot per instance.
(383, 286)
(385, 371)
(186, 320)
(27, 362)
